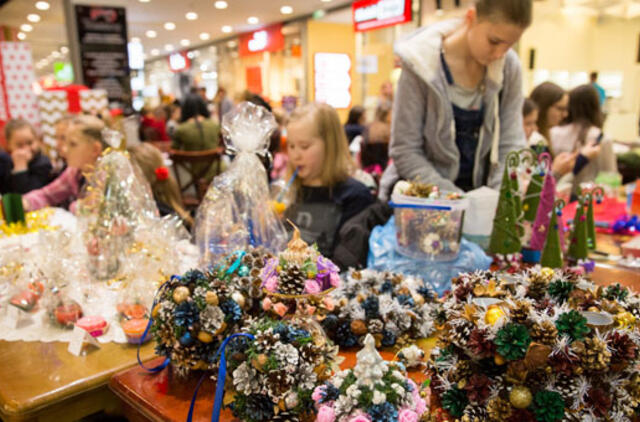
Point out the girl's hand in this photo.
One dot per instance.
(591, 151)
(563, 163)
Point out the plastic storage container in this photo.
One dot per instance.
(428, 228)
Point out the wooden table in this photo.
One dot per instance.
(145, 397)
(608, 272)
(44, 382)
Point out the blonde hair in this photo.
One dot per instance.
(90, 127)
(149, 158)
(337, 166)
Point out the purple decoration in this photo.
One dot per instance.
(543, 216)
(269, 270)
(325, 269)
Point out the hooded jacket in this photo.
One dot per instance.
(423, 143)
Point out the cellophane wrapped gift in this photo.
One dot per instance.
(235, 212)
(117, 201)
(62, 310)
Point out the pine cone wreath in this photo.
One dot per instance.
(498, 410)
(292, 281)
(474, 413)
(545, 333)
(593, 353)
(520, 312)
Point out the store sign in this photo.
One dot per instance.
(373, 14)
(63, 72)
(178, 62)
(266, 39)
(332, 77)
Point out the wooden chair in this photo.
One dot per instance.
(194, 163)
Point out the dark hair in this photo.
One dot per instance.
(193, 106)
(355, 114)
(545, 96)
(517, 12)
(593, 76)
(528, 107)
(17, 124)
(584, 109)
(382, 111)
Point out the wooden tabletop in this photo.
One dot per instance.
(607, 271)
(44, 381)
(159, 397)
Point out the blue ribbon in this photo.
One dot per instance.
(236, 264)
(252, 238)
(531, 256)
(149, 324)
(222, 376)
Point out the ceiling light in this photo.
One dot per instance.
(33, 17)
(155, 52)
(227, 29)
(42, 5)
(190, 54)
(325, 1)
(64, 49)
(252, 20)
(25, 27)
(22, 35)
(286, 10)
(191, 16)
(55, 54)
(144, 1)
(135, 40)
(185, 43)
(151, 33)
(169, 26)
(221, 4)
(168, 47)
(204, 36)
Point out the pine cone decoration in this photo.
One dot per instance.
(623, 349)
(460, 333)
(537, 287)
(520, 312)
(567, 387)
(462, 371)
(545, 333)
(478, 344)
(292, 281)
(279, 383)
(477, 388)
(560, 363)
(474, 414)
(499, 410)
(593, 353)
(285, 417)
(375, 326)
(462, 291)
(599, 401)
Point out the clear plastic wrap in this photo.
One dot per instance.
(235, 212)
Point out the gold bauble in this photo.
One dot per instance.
(520, 397)
(239, 299)
(499, 360)
(205, 337)
(494, 313)
(155, 311)
(211, 298)
(180, 294)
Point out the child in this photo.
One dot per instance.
(84, 144)
(458, 106)
(61, 145)
(324, 196)
(27, 168)
(164, 187)
(529, 118)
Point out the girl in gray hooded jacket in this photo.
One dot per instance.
(458, 108)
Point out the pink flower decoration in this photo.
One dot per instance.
(316, 396)
(328, 303)
(414, 390)
(360, 418)
(407, 415)
(421, 406)
(311, 287)
(271, 284)
(326, 414)
(266, 304)
(334, 278)
(280, 309)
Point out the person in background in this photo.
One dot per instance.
(356, 122)
(386, 94)
(173, 111)
(553, 106)
(458, 105)
(582, 136)
(222, 102)
(529, 118)
(166, 192)
(152, 125)
(84, 144)
(61, 128)
(26, 168)
(602, 94)
(324, 195)
(375, 148)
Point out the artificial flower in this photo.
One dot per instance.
(407, 415)
(312, 287)
(280, 309)
(326, 414)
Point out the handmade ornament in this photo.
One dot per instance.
(505, 238)
(374, 390)
(578, 239)
(552, 252)
(535, 188)
(135, 329)
(95, 325)
(62, 310)
(598, 193)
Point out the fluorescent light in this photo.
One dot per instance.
(42, 5)
(204, 36)
(155, 52)
(286, 10)
(168, 47)
(22, 35)
(252, 20)
(227, 29)
(144, 1)
(151, 34)
(33, 17)
(221, 4)
(55, 54)
(135, 40)
(325, 1)
(185, 43)
(169, 26)
(25, 27)
(191, 16)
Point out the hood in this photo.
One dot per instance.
(420, 50)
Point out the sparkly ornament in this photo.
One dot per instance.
(520, 397)
(180, 294)
(493, 315)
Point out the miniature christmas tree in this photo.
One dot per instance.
(552, 253)
(591, 225)
(543, 214)
(505, 238)
(12, 208)
(532, 196)
(578, 240)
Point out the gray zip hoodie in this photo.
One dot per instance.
(423, 143)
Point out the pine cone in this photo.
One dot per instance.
(285, 417)
(599, 401)
(537, 286)
(278, 383)
(473, 413)
(567, 387)
(462, 291)
(460, 333)
(593, 353)
(520, 312)
(545, 333)
(478, 344)
(375, 326)
(462, 371)
(622, 347)
(498, 409)
(292, 281)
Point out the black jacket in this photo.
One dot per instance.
(37, 175)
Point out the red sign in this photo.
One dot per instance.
(374, 14)
(266, 39)
(179, 62)
(254, 79)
